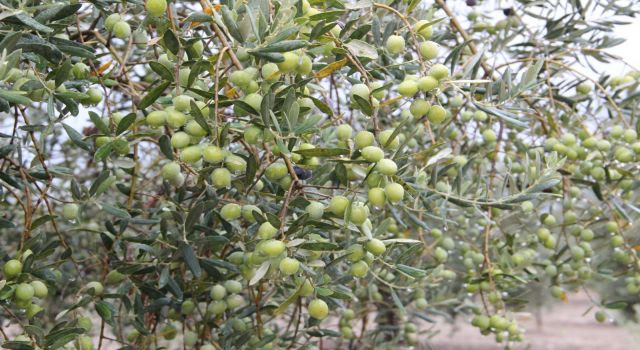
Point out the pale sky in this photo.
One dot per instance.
(629, 50)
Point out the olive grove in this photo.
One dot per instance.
(307, 174)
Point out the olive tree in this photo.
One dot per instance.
(308, 173)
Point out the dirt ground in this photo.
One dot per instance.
(563, 328)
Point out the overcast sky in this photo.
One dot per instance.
(629, 50)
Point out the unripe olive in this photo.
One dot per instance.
(182, 103)
(429, 50)
(359, 214)
(122, 30)
(372, 154)
(408, 88)
(230, 211)
(94, 288)
(361, 90)
(254, 100)
(80, 70)
(217, 307)
(170, 170)
(276, 171)
(181, 140)
(290, 62)
(233, 286)
(427, 83)
(543, 234)
(395, 44)
(315, 210)
(448, 243)
(169, 332)
(191, 154)
(551, 270)
(498, 322)
(439, 71)
(247, 212)
(24, 292)
(272, 248)
(94, 96)
(85, 343)
(305, 65)
(213, 154)
(387, 167)
(114, 277)
(419, 108)
(480, 116)
(376, 196)
(240, 78)
(218, 292)
(394, 192)
(235, 163)
(598, 173)
(12, 269)
(481, 321)
(586, 235)
(194, 129)
(70, 211)
(489, 136)
(624, 155)
(423, 28)
(440, 254)
(356, 252)
(85, 322)
(348, 314)
(584, 88)
(550, 243)
(156, 8)
(617, 241)
(252, 135)
(306, 289)
(600, 316)
(187, 307)
(318, 309)
(190, 338)
(271, 72)
(343, 132)
(175, 119)
(221, 178)
(235, 301)
(603, 145)
(556, 291)
(385, 139)
(156, 118)
(267, 230)
(289, 266)
(376, 246)
(629, 135)
(40, 289)
(140, 38)
(421, 303)
(338, 205)
(346, 332)
(363, 139)
(437, 114)
(111, 21)
(359, 269)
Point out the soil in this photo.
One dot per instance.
(563, 327)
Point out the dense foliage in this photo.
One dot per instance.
(308, 173)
